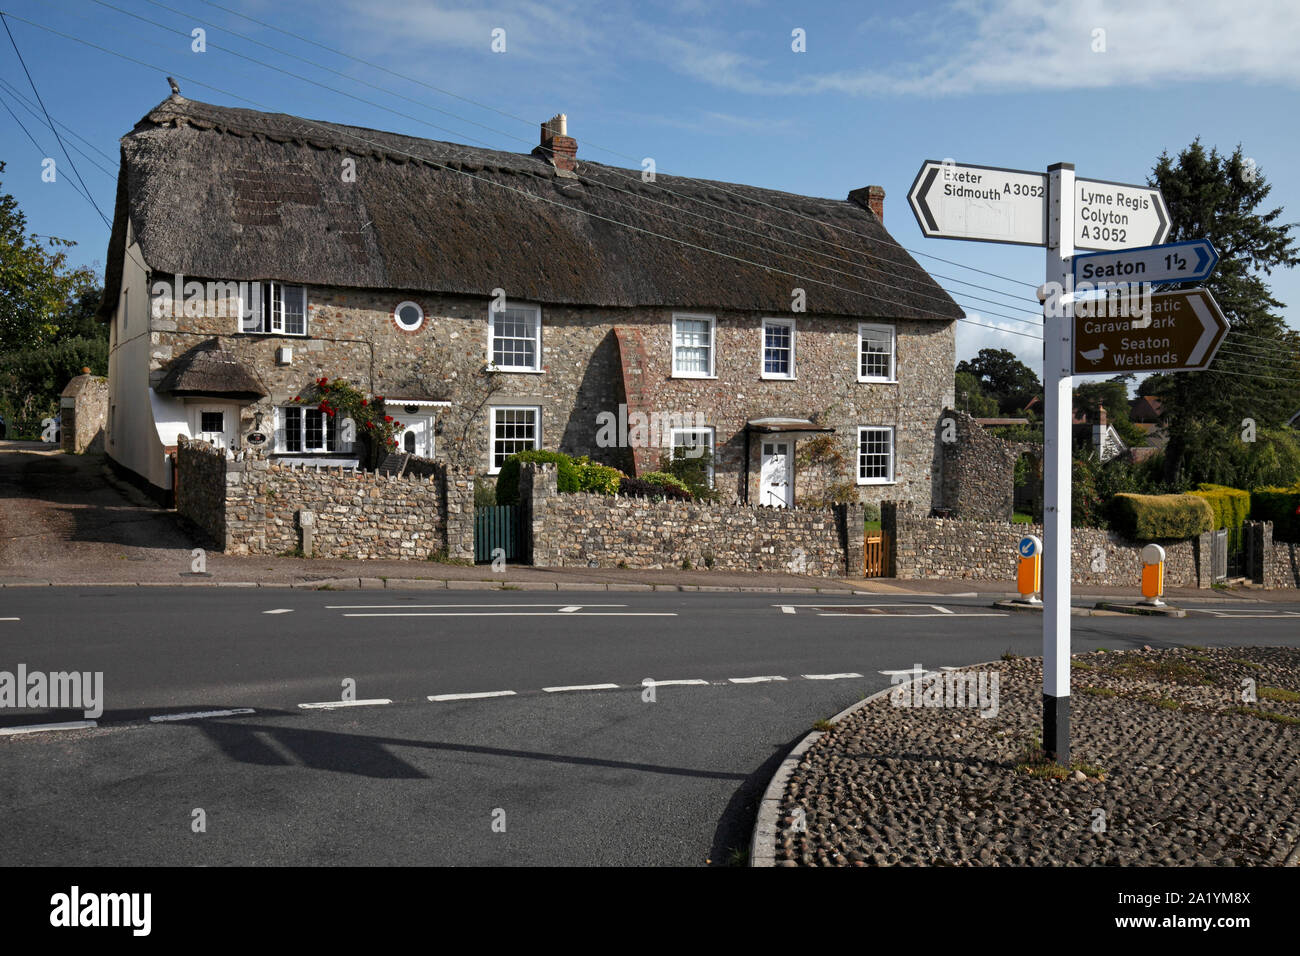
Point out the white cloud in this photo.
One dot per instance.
(979, 46)
(1006, 335)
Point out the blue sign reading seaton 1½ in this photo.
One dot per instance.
(1189, 261)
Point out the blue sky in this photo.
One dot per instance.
(707, 88)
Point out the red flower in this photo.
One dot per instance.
(364, 403)
(297, 398)
(388, 418)
(379, 399)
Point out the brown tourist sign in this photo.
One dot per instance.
(1165, 332)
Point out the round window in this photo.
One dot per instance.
(408, 316)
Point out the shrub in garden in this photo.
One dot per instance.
(1231, 505)
(640, 488)
(566, 477)
(665, 480)
(1161, 517)
(598, 479)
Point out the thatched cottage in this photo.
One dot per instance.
(500, 301)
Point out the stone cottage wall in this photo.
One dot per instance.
(83, 406)
(595, 359)
(977, 470)
(581, 530)
(953, 548)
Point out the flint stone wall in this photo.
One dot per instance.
(254, 506)
(582, 530)
(952, 548)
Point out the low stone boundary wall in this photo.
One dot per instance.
(583, 530)
(952, 548)
(255, 505)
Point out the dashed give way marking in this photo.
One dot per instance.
(280, 610)
(42, 728)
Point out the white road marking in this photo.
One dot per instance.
(202, 713)
(571, 608)
(10, 619)
(280, 610)
(1234, 613)
(559, 690)
(41, 728)
(676, 683)
(786, 608)
(752, 680)
(871, 617)
(478, 696)
(331, 704)
(516, 614)
(941, 610)
(375, 607)
(828, 676)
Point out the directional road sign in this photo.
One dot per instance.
(1190, 261)
(1184, 331)
(1118, 215)
(983, 203)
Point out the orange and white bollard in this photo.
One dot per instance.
(1153, 575)
(1029, 575)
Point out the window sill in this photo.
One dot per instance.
(691, 375)
(877, 381)
(516, 371)
(876, 481)
(276, 335)
(777, 378)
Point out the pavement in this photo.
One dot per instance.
(67, 520)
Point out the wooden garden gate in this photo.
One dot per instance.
(498, 527)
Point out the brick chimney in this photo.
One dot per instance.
(557, 147)
(870, 197)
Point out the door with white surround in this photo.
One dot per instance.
(216, 424)
(417, 436)
(776, 475)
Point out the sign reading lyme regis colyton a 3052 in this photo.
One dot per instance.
(1179, 332)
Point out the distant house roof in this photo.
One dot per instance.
(210, 370)
(1145, 408)
(235, 194)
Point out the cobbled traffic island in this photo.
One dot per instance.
(1186, 757)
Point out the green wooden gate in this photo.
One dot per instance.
(495, 527)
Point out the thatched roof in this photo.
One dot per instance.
(223, 193)
(208, 369)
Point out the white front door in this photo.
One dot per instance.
(776, 481)
(417, 437)
(216, 424)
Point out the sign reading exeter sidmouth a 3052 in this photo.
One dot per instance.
(984, 203)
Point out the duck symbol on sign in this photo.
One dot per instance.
(1094, 355)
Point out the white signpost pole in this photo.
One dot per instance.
(1058, 412)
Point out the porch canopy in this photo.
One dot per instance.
(778, 425)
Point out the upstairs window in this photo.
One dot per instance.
(876, 362)
(778, 348)
(693, 346)
(280, 310)
(515, 338)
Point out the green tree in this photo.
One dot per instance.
(1003, 377)
(1256, 375)
(1112, 395)
(970, 397)
(36, 283)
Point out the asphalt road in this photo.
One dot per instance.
(547, 774)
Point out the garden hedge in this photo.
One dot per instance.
(1161, 517)
(1280, 506)
(1231, 505)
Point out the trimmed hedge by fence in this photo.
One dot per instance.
(1161, 517)
(1231, 505)
(1280, 506)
